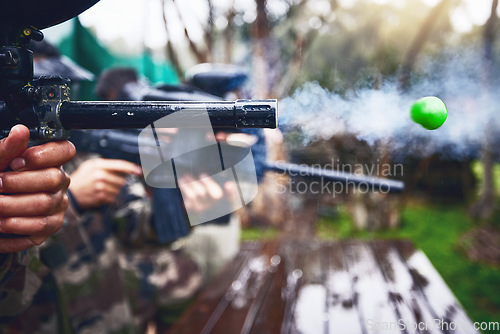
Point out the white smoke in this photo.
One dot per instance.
(383, 115)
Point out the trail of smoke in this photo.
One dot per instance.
(382, 115)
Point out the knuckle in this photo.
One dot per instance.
(85, 164)
(121, 182)
(67, 179)
(3, 224)
(54, 222)
(33, 155)
(101, 196)
(99, 186)
(43, 225)
(46, 203)
(2, 203)
(58, 221)
(65, 201)
(101, 175)
(99, 162)
(68, 149)
(55, 177)
(49, 203)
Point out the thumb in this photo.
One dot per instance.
(14, 145)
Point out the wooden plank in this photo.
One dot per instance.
(309, 311)
(307, 286)
(246, 294)
(449, 315)
(343, 316)
(293, 264)
(371, 293)
(213, 295)
(414, 315)
(270, 312)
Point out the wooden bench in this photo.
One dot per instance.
(310, 286)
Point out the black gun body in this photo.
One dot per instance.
(125, 114)
(139, 114)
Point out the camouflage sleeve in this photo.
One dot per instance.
(25, 282)
(129, 216)
(20, 278)
(22, 274)
(19, 272)
(132, 214)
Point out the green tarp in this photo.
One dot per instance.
(83, 48)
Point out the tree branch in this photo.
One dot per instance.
(172, 55)
(200, 56)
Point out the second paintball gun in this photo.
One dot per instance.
(123, 144)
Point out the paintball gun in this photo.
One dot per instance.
(123, 144)
(44, 106)
(127, 144)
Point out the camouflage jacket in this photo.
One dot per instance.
(70, 284)
(82, 281)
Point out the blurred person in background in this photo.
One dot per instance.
(212, 244)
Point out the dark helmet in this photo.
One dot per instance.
(40, 13)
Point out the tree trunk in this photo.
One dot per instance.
(419, 41)
(375, 210)
(201, 57)
(209, 30)
(228, 35)
(261, 30)
(484, 207)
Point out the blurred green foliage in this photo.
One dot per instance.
(255, 233)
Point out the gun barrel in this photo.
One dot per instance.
(372, 183)
(121, 114)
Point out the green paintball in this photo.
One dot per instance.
(430, 112)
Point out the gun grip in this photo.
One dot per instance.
(12, 236)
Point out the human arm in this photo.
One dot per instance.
(97, 182)
(33, 190)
